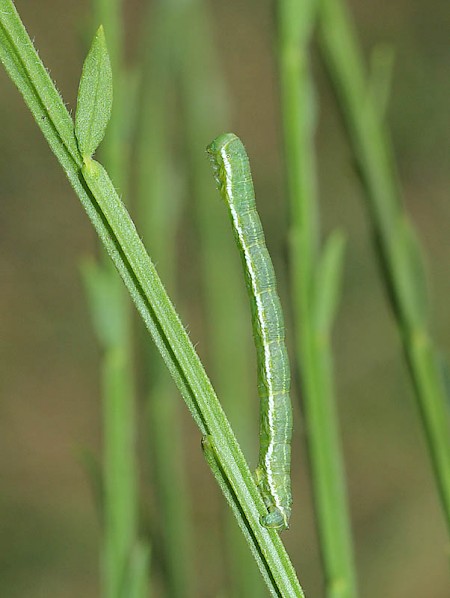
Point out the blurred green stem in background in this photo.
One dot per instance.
(315, 280)
(110, 307)
(120, 238)
(399, 249)
(204, 103)
(158, 206)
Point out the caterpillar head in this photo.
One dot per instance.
(216, 151)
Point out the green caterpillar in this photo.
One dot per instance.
(233, 177)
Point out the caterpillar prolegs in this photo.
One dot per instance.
(233, 177)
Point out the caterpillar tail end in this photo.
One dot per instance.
(277, 518)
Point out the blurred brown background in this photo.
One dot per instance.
(49, 401)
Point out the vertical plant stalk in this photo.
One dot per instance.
(205, 109)
(120, 501)
(118, 392)
(115, 228)
(315, 276)
(138, 586)
(158, 209)
(399, 249)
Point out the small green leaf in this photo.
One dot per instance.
(95, 96)
(328, 281)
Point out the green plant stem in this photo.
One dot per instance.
(119, 236)
(159, 210)
(119, 418)
(119, 469)
(139, 586)
(205, 110)
(296, 21)
(399, 249)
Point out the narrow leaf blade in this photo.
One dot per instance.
(95, 96)
(328, 281)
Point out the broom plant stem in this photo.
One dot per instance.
(296, 21)
(399, 249)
